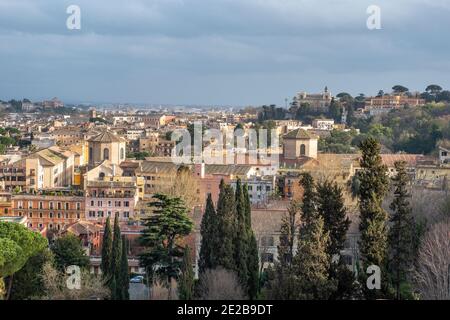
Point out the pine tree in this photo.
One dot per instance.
(332, 209)
(123, 279)
(241, 237)
(186, 280)
(164, 230)
(400, 234)
(106, 250)
(373, 219)
(208, 231)
(224, 249)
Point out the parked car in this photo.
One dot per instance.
(137, 279)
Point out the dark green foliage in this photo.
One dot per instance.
(289, 232)
(139, 155)
(241, 236)
(280, 278)
(253, 267)
(399, 89)
(253, 252)
(311, 263)
(17, 245)
(307, 275)
(248, 210)
(309, 208)
(373, 187)
(335, 110)
(164, 229)
(271, 113)
(338, 142)
(209, 236)
(227, 238)
(401, 230)
(347, 287)
(226, 215)
(123, 277)
(116, 252)
(27, 283)
(69, 251)
(331, 208)
(186, 280)
(106, 249)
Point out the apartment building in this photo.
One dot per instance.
(113, 196)
(49, 209)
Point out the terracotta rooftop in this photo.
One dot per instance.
(106, 137)
(299, 134)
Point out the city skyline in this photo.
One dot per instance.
(217, 53)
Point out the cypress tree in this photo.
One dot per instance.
(400, 234)
(373, 219)
(309, 209)
(224, 249)
(106, 250)
(241, 236)
(186, 279)
(248, 208)
(332, 209)
(116, 257)
(123, 279)
(253, 267)
(311, 263)
(281, 278)
(252, 246)
(208, 233)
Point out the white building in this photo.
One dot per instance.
(323, 124)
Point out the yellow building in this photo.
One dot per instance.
(106, 146)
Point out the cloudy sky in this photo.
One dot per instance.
(222, 52)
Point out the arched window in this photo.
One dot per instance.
(101, 175)
(302, 150)
(106, 154)
(122, 154)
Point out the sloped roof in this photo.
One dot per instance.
(158, 167)
(106, 137)
(299, 134)
(83, 227)
(227, 169)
